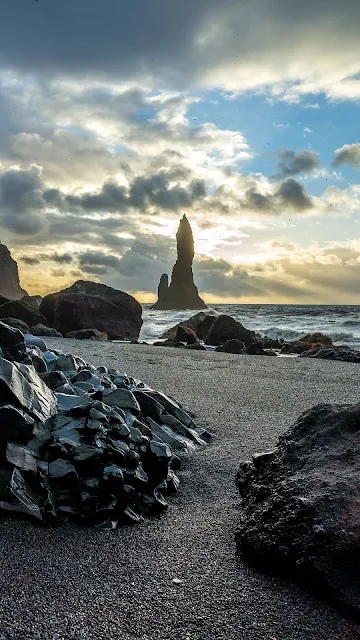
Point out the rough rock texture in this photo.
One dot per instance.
(84, 442)
(22, 311)
(182, 292)
(232, 346)
(9, 276)
(194, 323)
(226, 328)
(310, 341)
(300, 503)
(32, 301)
(343, 353)
(16, 324)
(42, 330)
(87, 305)
(87, 334)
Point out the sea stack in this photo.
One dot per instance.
(182, 292)
(9, 276)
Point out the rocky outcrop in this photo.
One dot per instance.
(42, 330)
(22, 311)
(341, 353)
(83, 442)
(310, 341)
(90, 305)
(193, 323)
(300, 504)
(9, 276)
(225, 328)
(182, 292)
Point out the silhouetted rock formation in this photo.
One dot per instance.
(90, 305)
(182, 292)
(9, 276)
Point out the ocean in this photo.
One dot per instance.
(341, 322)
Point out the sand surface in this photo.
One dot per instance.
(74, 583)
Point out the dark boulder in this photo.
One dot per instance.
(168, 343)
(196, 347)
(90, 304)
(12, 343)
(16, 324)
(42, 330)
(182, 292)
(87, 334)
(21, 311)
(310, 341)
(271, 343)
(226, 328)
(300, 504)
(341, 353)
(255, 349)
(183, 334)
(193, 323)
(232, 346)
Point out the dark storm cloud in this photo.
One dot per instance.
(153, 190)
(60, 258)
(292, 163)
(174, 40)
(21, 200)
(293, 194)
(348, 154)
(289, 194)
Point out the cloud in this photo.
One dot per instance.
(60, 258)
(348, 154)
(292, 163)
(21, 200)
(230, 45)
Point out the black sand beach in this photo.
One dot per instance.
(77, 583)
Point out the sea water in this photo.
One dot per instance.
(289, 322)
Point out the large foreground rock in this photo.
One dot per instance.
(182, 292)
(84, 442)
(9, 276)
(193, 323)
(90, 305)
(301, 504)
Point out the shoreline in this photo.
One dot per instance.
(83, 583)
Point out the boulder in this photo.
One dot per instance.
(90, 304)
(21, 311)
(342, 353)
(271, 343)
(87, 334)
(232, 346)
(300, 504)
(310, 341)
(16, 324)
(42, 330)
(255, 349)
(226, 328)
(168, 343)
(32, 301)
(184, 334)
(194, 323)
(9, 276)
(182, 292)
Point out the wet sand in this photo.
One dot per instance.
(75, 583)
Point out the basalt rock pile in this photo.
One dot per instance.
(300, 504)
(81, 442)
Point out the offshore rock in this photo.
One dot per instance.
(225, 328)
(9, 276)
(83, 442)
(300, 504)
(193, 323)
(182, 292)
(92, 305)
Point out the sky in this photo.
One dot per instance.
(116, 118)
